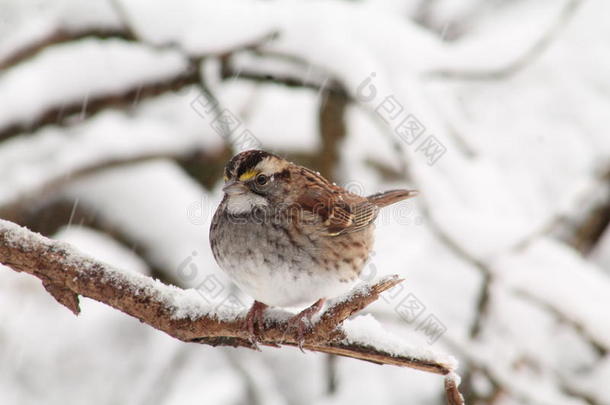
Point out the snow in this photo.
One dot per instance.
(367, 331)
(594, 381)
(191, 24)
(102, 247)
(523, 384)
(100, 344)
(154, 187)
(185, 304)
(532, 271)
(359, 290)
(295, 106)
(454, 378)
(110, 136)
(30, 21)
(75, 72)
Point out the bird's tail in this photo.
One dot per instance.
(390, 197)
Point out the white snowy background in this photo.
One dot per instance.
(106, 142)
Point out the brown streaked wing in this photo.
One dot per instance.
(361, 212)
(337, 216)
(339, 211)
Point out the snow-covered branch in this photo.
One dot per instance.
(57, 37)
(61, 114)
(67, 274)
(527, 58)
(184, 72)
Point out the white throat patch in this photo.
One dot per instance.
(242, 203)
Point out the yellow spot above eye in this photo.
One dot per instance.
(225, 177)
(248, 175)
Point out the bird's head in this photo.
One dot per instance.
(254, 178)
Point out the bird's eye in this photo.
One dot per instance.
(261, 179)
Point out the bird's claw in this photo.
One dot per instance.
(254, 318)
(298, 322)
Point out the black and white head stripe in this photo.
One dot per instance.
(245, 161)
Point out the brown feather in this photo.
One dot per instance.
(391, 197)
(340, 211)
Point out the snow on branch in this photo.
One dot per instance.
(61, 114)
(60, 36)
(183, 314)
(527, 58)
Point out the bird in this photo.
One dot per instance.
(288, 237)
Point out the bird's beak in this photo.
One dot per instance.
(234, 187)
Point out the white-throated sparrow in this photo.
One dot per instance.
(288, 237)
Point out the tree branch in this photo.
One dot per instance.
(529, 56)
(452, 381)
(331, 85)
(13, 209)
(62, 115)
(187, 316)
(57, 37)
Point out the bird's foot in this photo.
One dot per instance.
(298, 321)
(254, 318)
